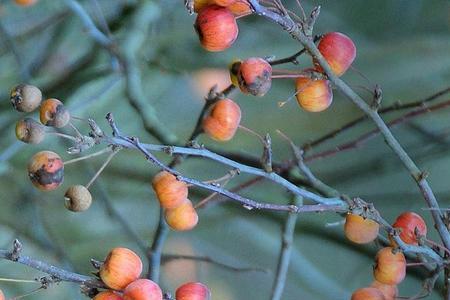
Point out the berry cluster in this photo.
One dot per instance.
(172, 194)
(121, 271)
(390, 263)
(46, 168)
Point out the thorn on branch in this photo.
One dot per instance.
(309, 27)
(17, 249)
(96, 264)
(266, 158)
(377, 96)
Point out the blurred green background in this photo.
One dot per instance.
(402, 45)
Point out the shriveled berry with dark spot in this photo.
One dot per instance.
(30, 131)
(255, 76)
(54, 113)
(77, 198)
(46, 170)
(25, 97)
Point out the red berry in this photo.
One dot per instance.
(193, 291)
(46, 170)
(121, 267)
(360, 230)
(29, 131)
(108, 295)
(409, 223)
(170, 192)
(216, 27)
(182, 218)
(390, 267)
(222, 120)
(338, 50)
(254, 76)
(368, 293)
(142, 289)
(25, 97)
(313, 95)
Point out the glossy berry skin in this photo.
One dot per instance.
(46, 170)
(142, 289)
(108, 295)
(389, 268)
(77, 198)
(408, 222)
(338, 50)
(25, 97)
(121, 267)
(360, 230)
(222, 120)
(389, 292)
(29, 131)
(313, 95)
(368, 293)
(193, 291)
(216, 27)
(255, 76)
(183, 217)
(169, 191)
(54, 113)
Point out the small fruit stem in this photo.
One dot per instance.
(437, 245)
(66, 136)
(75, 129)
(244, 15)
(110, 157)
(88, 156)
(252, 132)
(18, 280)
(27, 294)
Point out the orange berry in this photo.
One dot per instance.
(108, 295)
(142, 289)
(389, 268)
(193, 291)
(53, 113)
(121, 267)
(2, 296)
(224, 3)
(46, 170)
(222, 120)
(368, 293)
(25, 97)
(313, 95)
(360, 230)
(200, 4)
(25, 2)
(338, 50)
(409, 222)
(254, 76)
(240, 8)
(390, 292)
(29, 131)
(216, 27)
(183, 217)
(169, 191)
(77, 198)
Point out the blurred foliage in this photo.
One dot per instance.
(402, 45)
